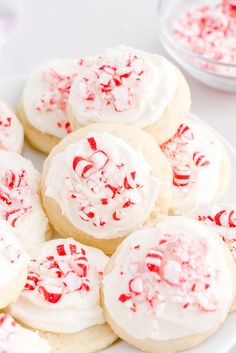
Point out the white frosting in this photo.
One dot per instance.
(45, 96)
(20, 202)
(75, 308)
(194, 144)
(221, 218)
(170, 281)
(16, 339)
(124, 85)
(11, 130)
(107, 201)
(13, 258)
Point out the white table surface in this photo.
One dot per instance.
(71, 28)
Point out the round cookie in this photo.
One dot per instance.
(200, 164)
(13, 265)
(103, 181)
(168, 288)
(62, 297)
(42, 109)
(222, 219)
(20, 200)
(11, 130)
(129, 86)
(16, 339)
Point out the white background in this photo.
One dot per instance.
(72, 28)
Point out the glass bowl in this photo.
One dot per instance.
(215, 74)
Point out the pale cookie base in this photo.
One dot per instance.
(91, 340)
(41, 141)
(166, 346)
(173, 116)
(10, 293)
(139, 140)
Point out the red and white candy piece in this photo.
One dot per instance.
(32, 281)
(226, 218)
(66, 249)
(200, 159)
(185, 131)
(51, 294)
(181, 175)
(136, 285)
(14, 180)
(153, 260)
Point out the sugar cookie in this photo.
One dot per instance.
(11, 130)
(43, 103)
(62, 297)
(13, 265)
(103, 181)
(168, 288)
(129, 86)
(19, 199)
(200, 164)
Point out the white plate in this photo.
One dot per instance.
(225, 338)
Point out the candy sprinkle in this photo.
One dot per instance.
(209, 31)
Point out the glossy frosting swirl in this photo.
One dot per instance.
(123, 85)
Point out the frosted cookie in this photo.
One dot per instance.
(222, 219)
(20, 203)
(11, 130)
(168, 288)
(200, 164)
(62, 297)
(129, 86)
(103, 181)
(16, 339)
(43, 103)
(13, 265)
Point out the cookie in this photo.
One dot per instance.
(13, 265)
(16, 339)
(103, 181)
(200, 164)
(19, 199)
(129, 86)
(61, 298)
(43, 103)
(11, 130)
(222, 219)
(169, 287)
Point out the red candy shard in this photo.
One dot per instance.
(51, 294)
(92, 143)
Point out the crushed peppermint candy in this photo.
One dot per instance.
(58, 275)
(8, 328)
(223, 220)
(177, 152)
(55, 98)
(92, 177)
(176, 271)
(209, 31)
(110, 82)
(15, 196)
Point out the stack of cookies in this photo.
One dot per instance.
(121, 236)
